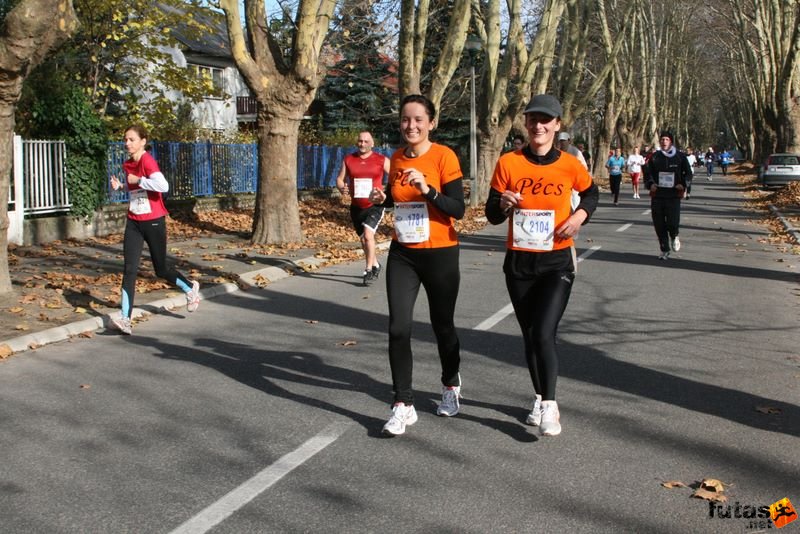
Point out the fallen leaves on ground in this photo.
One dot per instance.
(65, 281)
(710, 489)
(786, 200)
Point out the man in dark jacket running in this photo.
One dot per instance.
(666, 175)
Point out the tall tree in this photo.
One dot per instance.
(122, 57)
(359, 90)
(283, 83)
(28, 34)
(768, 42)
(508, 73)
(414, 29)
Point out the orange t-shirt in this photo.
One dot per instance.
(542, 187)
(440, 166)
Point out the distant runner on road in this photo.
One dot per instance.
(361, 172)
(710, 157)
(725, 159)
(146, 223)
(634, 164)
(665, 175)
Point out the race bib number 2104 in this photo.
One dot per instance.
(534, 229)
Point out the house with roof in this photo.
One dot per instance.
(229, 106)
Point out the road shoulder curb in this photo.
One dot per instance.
(252, 278)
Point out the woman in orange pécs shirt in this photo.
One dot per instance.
(531, 188)
(425, 188)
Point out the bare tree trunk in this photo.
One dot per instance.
(489, 150)
(412, 47)
(605, 136)
(513, 68)
(30, 32)
(6, 156)
(277, 213)
(283, 88)
(792, 126)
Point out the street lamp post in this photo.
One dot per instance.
(473, 46)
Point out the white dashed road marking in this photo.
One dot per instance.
(508, 309)
(234, 500)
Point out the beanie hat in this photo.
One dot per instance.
(667, 133)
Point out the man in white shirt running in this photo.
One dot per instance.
(565, 144)
(634, 164)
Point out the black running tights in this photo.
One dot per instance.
(154, 233)
(666, 214)
(539, 303)
(438, 272)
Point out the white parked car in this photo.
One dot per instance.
(779, 169)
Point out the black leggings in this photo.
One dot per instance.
(154, 232)
(438, 272)
(539, 302)
(666, 214)
(615, 181)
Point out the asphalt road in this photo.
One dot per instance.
(262, 411)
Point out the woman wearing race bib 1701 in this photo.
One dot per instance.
(146, 223)
(531, 187)
(425, 188)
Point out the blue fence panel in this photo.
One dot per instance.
(116, 157)
(318, 166)
(205, 169)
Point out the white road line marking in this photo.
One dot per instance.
(624, 227)
(498, 316)
(588, 253)
(238, 497)
(646, 212)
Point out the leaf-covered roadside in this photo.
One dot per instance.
(785, 199)
(66, 281)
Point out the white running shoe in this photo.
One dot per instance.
(193, 297)
(450, 405)
(676, 244)
(402, 415)
(535, 417)
(550, 425)
(664, 256)
(123, 324)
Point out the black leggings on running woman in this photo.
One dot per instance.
(539, 302)
(438, 272)
(154, 233)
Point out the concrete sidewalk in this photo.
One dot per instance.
(223, 263)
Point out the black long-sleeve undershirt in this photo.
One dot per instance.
(450, 201)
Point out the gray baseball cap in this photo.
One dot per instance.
(547, 104)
